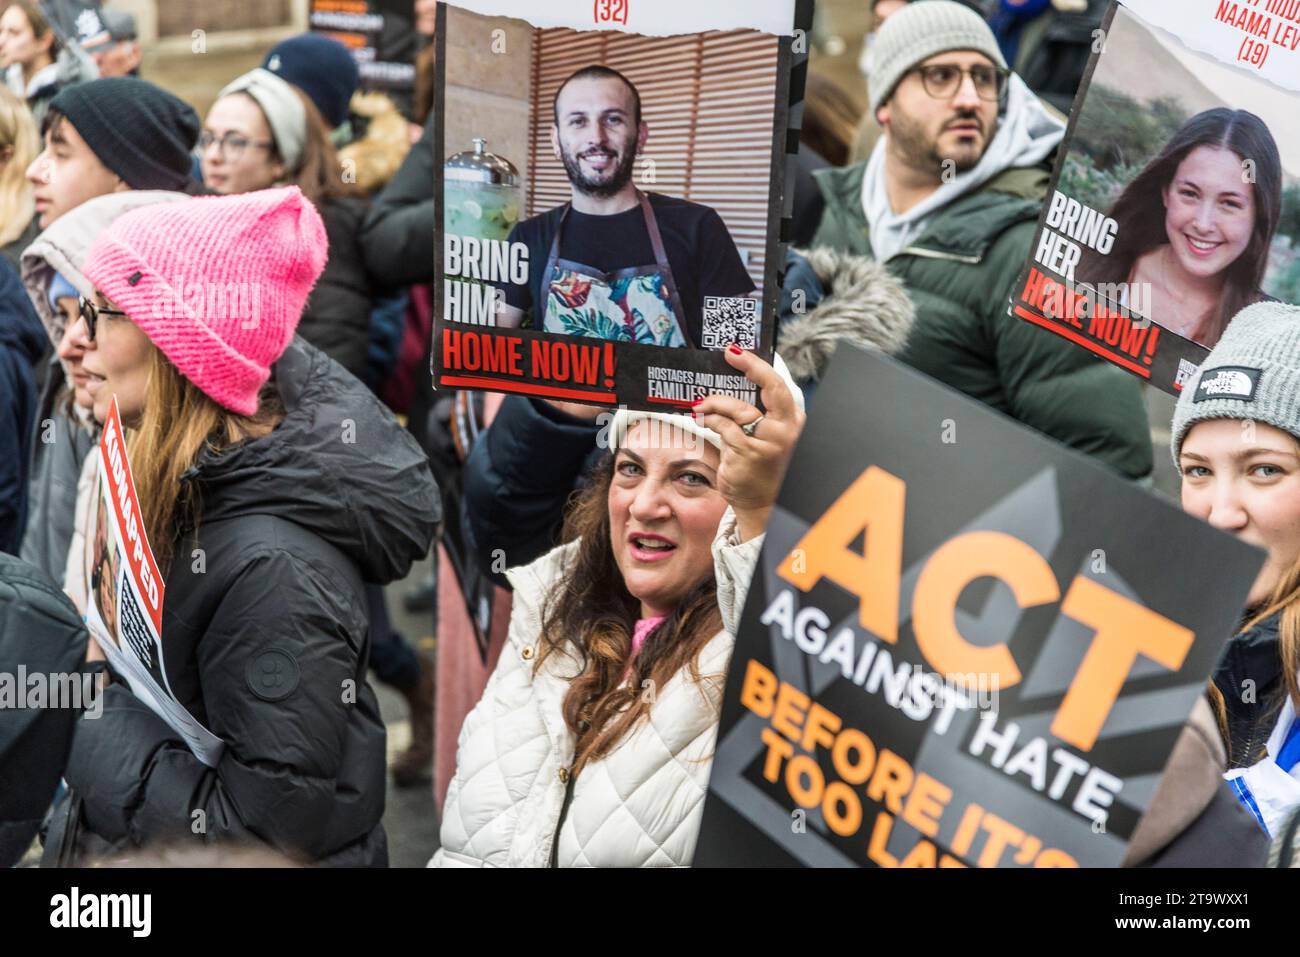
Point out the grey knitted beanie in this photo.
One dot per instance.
(920, 31)
(1253, 373)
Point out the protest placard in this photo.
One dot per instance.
(379, 35)
(964, 644)
(1176, 196)
(125, 600)
(611, 205)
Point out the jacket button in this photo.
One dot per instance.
(527, 653)
(564, 775)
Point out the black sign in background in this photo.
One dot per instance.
(385, 56)
(994, 474)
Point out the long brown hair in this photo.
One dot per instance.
(426, 80)
(178, 422)
(37, 20)
(831, 118)
(319, 175)
(593, 611)
(1140, 209)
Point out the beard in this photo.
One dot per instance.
(613, 179)
(921, 150)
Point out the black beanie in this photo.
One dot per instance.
(138, 130)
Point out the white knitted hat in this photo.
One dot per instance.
(624, 419)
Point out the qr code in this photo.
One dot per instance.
(729, 319)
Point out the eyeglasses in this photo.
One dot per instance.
(943, 80)
(230, 144)
(91, 313)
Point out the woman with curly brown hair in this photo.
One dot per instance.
(592, 743)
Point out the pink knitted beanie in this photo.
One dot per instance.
(218, 283)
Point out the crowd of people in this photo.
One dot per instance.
(281, 492)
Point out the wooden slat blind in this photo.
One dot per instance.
(708, 99)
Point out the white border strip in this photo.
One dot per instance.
(1193, 22)
(646, 17)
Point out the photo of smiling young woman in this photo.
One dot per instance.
(1195, 226)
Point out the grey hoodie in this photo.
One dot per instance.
(63, 438)
(1026, 135)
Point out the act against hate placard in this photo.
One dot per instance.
(1172, 205)
(964, 644)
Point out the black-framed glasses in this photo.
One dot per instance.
(230, 143)
(91, 313)
(943, 80)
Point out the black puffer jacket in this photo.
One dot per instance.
(397, 237)
(336, 319)
(22, 343)
(40, 631)
(1249, 677)
(265, 626)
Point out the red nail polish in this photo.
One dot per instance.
(735, 350)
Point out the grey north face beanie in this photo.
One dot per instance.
(920, 31)
(1253, 373)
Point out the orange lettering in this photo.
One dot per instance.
(758, 690)
(874, 504)
(820, 728)
(925, 804)
(879, 838)
(892, 780)
(950, 569)
(778, 748)
(791, 703)
(1124, 629)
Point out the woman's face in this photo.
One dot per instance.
(426, 16)
(107, 609)
(73, 346)
(117, 366)
(664, 510)
(1244, 477)
(248, 163)
(18, 43)
(1209, 211)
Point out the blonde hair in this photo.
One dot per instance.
(179, 421)
(19, 139)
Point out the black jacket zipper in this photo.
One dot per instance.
(559, 825)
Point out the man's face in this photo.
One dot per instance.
(67, 173)
(119, 59)
(938, 135)
(598, 136)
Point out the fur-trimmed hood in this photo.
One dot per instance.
(853, 298)
(376, 155)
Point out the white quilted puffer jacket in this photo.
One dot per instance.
(639, 806)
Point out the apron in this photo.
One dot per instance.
(637, 304)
